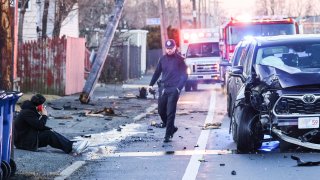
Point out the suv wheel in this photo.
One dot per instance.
(229, 107)
(249, 130)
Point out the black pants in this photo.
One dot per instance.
(167, 106)
(55, 140)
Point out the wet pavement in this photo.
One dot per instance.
(87, 121)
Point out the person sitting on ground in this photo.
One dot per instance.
(31, 132)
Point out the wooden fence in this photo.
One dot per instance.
(52, 66)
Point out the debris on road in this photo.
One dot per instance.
(86, 136)
(305, 163)
(142, 93)
(211, 126)
(157, 125)
(103, 112)
(203, 160)
(62, 117)
(222, 164)
(119, 129)
(233, 172)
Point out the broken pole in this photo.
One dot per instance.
(102, 53)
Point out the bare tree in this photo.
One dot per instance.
(23, 7)
(45, 18)
(63, 8)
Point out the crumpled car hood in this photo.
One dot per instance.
(288, 76)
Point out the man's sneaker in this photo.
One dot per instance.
(174, 130)
(167, 139)
(79, 147)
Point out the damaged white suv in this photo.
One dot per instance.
(279, 94)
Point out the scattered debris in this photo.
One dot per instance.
(108, 118)
(113, 97)
(184, 148)
(181, 113)
(157, 125)
(212, 126)
(103, 112)
(233, 172)
(86, 135)
(303, 163)
(62, 124)
(202, 160)
(68, 107)
(196, 145)
(142, 93)
(119, 128)
(63, 117)
(130, 95)
(285, 156)
(222, 164)
(56, 108)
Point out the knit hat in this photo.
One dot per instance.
(38, 99)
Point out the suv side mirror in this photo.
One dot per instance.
(237, 71)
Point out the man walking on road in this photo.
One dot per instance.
(173, 71)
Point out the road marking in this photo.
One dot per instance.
(148, 110)
(194, 163)
(69, 170)
(176, 153)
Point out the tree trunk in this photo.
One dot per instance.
(45, 19)
(21, 19)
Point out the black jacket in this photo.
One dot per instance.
(173, 70)
(27, 125)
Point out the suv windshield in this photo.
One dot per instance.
(299, 56)
(209, 49)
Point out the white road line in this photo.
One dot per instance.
(169, 153)
(148, 110)
(194, 163)
(69, 170)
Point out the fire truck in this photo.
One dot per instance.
(236, 29)
(201, 50)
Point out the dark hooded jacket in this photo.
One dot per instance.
(27, 125)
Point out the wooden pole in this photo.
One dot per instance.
(163, 26)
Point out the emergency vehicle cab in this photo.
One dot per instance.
(202, 56)
(236, 29)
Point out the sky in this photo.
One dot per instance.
(236, 7)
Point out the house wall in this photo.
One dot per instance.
(70, 26)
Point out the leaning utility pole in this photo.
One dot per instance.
(102, 52)
(163, 25)
(194, 13)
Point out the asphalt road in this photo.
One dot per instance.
(194, 153)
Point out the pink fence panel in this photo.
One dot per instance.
(75, 65)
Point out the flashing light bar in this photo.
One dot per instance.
(235, 20)
(195, 36)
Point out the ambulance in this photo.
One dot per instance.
(200, 47)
